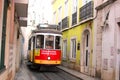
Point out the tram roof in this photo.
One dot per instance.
(47, 31)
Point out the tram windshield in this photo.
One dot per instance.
(40, 41)
(49, 42)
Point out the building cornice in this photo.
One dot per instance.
(104, 4)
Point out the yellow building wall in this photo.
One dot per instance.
(72, 31)
(59, 3)
(76, 32)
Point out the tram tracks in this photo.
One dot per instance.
(53, 75)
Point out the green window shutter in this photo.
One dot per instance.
(3, 34)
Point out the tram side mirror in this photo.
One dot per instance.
(78, 46)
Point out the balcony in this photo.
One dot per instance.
(65, 23)
(86, 11)
(21, 7)
(74, 18)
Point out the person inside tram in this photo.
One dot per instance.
(40, 41)
(49, 45)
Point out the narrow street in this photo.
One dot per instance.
(81, 36)
(25, 73)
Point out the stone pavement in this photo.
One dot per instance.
(78, 74)
(22, 74)
(25, 74)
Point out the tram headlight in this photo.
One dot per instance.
(49, 58)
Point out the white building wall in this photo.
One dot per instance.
(110, 68)
(108, 48)
(111, 44)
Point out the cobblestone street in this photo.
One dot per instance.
(62, 73)
(26, 74)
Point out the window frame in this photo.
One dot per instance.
(64, 49)
(73, 54)
(42, 44)
(60, 14)
(66, 8)
(74, 6)
(54, 17)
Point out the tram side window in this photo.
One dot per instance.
(49, 42)
(57, 42)
(29, 44)
(40, 41)
(33, 42)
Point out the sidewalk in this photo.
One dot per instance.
(22, 74)
(77, 74)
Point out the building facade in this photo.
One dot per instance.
(75, 20)
(10, 37)
(107, 24)
(91, 36)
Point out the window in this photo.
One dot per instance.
(64, 48)
(74, 6)
(86, 11)
(60, 18)
(2, 53)
(85, 1)
(66, 8)
(49, 42)
(54, 17)
(40, 41)
(74, 12)
(60, 13)
(57, 42)
(73, 48)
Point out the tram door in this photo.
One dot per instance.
(32, 48)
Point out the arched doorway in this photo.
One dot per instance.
(85, 51)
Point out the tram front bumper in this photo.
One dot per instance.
(48, 62)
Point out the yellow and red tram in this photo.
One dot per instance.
(44, 47)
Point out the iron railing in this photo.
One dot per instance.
(86, 11)
(65, 23)
(74, 18)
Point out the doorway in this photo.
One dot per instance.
(86, 51)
